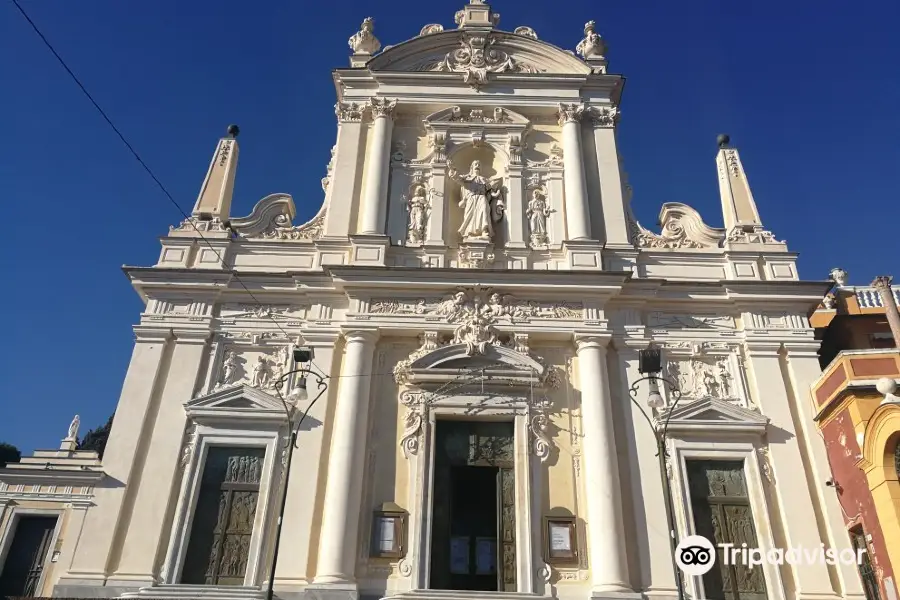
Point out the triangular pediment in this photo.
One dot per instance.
(510, 53)
(714, 415)
(237, 402)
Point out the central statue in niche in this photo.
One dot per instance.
(481, 201)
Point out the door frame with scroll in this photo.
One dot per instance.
(527, 476)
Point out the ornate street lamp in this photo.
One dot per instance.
(650, 366)
(295, 418)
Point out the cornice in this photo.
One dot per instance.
(320, 336)
(773, 291)
(598, 284)
(152, 333)
(191, 336)
(55, 474)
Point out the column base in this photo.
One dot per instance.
(369, 250)
(602, 594)
(583, 255)
(331, 591)
(517, 258)
(619, 258)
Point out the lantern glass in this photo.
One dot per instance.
(650, 361)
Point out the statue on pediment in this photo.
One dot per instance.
(592, 45)
(482, 202)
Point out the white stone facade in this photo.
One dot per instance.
(536, 308)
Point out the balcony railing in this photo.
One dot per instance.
(868, 297)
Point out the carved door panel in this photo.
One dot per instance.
(219, 546)
(27, 556)
(506, 509)
(722, 514)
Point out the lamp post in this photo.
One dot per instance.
(650, 366)
(295, 418)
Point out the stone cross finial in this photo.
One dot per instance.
(364, 40)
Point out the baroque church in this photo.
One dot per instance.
(471, 301)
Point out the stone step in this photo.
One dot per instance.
(463, 595)
(190, 592)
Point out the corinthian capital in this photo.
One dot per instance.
(348, 112)
(570, 113)
(605, 116)
(382, 107)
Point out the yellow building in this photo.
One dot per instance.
(858, 415)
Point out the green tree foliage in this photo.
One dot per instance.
(9, 454)
(95, 439)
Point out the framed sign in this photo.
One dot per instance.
(485, 556)
(459, 555)
(560, 540)
(388, 532)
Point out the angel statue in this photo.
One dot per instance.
(482, 202)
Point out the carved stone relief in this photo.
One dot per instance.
(751, 235)
(476, 115)
(702, 377)
(502, 306)
(661, 320)
(476, 58)
(256, 369)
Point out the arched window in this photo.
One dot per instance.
(897, 459)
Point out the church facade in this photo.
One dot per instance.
(475, 292)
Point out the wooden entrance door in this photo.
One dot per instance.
(473, 539)
(27, 556)
(722, 514)
(219, 546)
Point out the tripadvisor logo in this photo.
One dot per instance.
(696, 555)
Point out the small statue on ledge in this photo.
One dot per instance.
(418, 210)
(73, 428)
(537, 213)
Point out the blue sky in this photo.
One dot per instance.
(807, 90)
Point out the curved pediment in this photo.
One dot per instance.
(455, 356)
(461, 51)
(497, 364)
